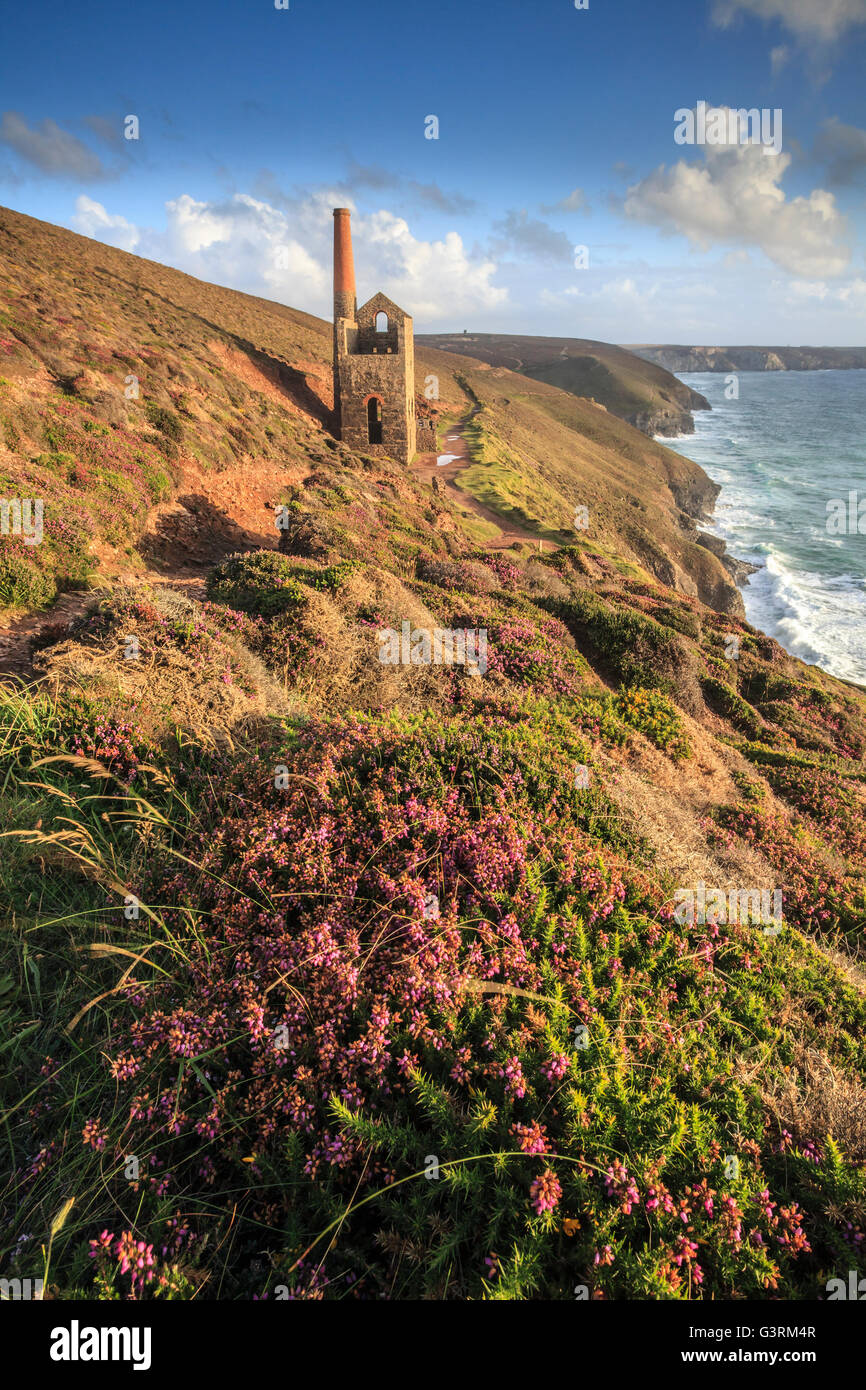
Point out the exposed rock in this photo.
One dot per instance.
(739, 569)
(750, 359)
(713, 543)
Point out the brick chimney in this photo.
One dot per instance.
(345, 303)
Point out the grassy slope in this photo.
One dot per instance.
(638, 391)
(229, 383)
(219, 954)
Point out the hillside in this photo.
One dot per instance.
(751, 359)
(233, 402)
(649, 398)
(332, 970)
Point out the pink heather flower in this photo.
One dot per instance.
(545, 1192)
(515, 1081)
(556, 1067)
(685, 1250)
(620, 1185)
(659, 1197)
(532, 1139)
(102, 1244)
(94, 1135)
(603, 1256)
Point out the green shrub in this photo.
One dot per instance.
(653, 714)
(22, 583)
(164, 420)
(640, 651)
(725, 701)
(260, 581)
(681, 619)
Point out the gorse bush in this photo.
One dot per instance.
(23, 583)
(724, 698)
(653, 714)
(164, 420)
(640, 650)
(394, 994)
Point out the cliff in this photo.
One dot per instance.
(646, 396)
(161, 414)
(751, 359)
(398, 971)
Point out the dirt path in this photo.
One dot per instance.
(213, 517)
(16, 652)
(455, 447)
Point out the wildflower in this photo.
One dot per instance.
(94, 1134)
(619, 1184)
(545, 1192)
(532, 1138)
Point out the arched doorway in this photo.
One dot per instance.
(374, 420)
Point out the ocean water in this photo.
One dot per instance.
(791, 443)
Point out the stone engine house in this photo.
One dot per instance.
(374, 364)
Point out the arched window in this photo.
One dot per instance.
(374, 420)
(381, 322)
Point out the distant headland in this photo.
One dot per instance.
(678, 358)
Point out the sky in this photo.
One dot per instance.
(554, 199)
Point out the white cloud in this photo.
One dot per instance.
(91, 219)
(779, 58)
(843, 149)
(835, 299)
(285, 254)
(520, 235)
(734, 198)
(854, 294)
(576, 201)
(434, 280)
(808, 289)
(711, 302)
(824, 20)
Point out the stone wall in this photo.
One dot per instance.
(365, 368)
(425, 435)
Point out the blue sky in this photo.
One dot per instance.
(556, 131)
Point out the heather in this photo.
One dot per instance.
(356, 985)
(323, 977)
(387, 945)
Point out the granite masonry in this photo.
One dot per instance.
(374, 365)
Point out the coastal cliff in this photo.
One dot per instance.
(677, 358)
(390, 886)
(643, 393)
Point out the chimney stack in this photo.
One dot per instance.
(345, 303)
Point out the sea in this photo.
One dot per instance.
(789, 450)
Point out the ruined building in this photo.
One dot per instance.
(374, 364)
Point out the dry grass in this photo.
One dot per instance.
(167, 685)
(817, 1100)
